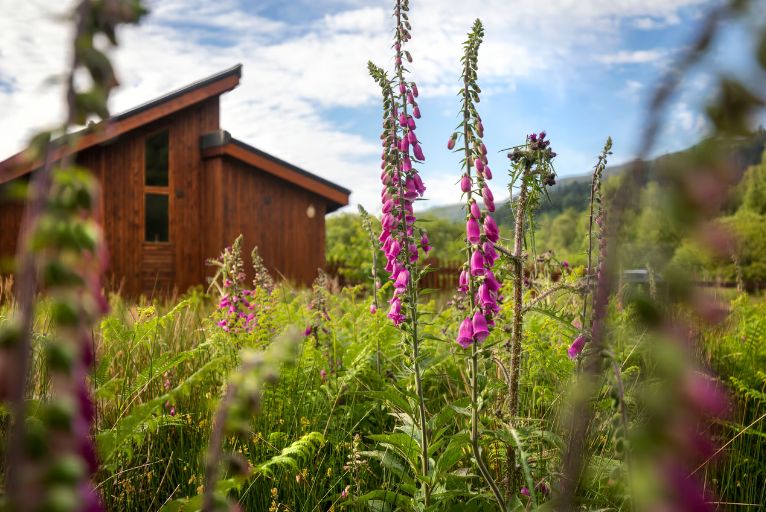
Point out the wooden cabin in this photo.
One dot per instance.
(177, 189)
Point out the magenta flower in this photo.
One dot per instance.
(477, 264)
(489, 253)
(418, 152)
(425, 243)
(490, 229)
(576, 347)
(491, 281)
(465, 333)
(472, 232)
(525, 492)
(465, 183)
(451, 143)
(307, 331)
(463, 282)
(475, 210)
(416, 112)
(323, 374)
(480, 330)
(400, 285)
(373, 309)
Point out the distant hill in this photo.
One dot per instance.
(574, 191)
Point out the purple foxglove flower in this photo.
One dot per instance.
(404, 145)
(490, 229)
(416, 112)
(323, 374)
(402, 88)
(576, 347)
(483, 149)
(487, 172)
(477, 264)
(565, 264)
(419, 186)
(410, 123)
(413, 253)
(373, 309)
(489, 204)
(410, 98)
(389, 266)
(486, 193)
(388, 221)
(406, 164)
(525, 492)
(451, 143)
(463, 282)
(410, 192)
(387, 206)
(402, 120)
(398, 61)
(384, 235)
(465, 183)
(475, 210)
(418, 152)
(480, 129)
(533, 137)
(414, 90)
(424, 243)
(412, 137)
(402, 280)
(489, 253)
(472, 232)
(465, 333)
(395, 311)
(491, 281)
(307, 331)
(479, 165)
(394, 249)
(484, 295)
(480, 330)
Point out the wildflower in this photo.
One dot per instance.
(173, 410)
(424, 242)
(307, 331)
(344, 493)
(373, 309)
(418, 152)
(475, 210)
(451, 142)
(323, 374)
(479, 324)
(576, 347)
(525, 492)
(465, 333)
(477, 264)
(490, 229)
(463, 282)
(465, 183)
(473, 235)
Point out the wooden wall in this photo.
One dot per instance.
(11, 213)
(272, 214)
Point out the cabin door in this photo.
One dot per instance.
(158, 247)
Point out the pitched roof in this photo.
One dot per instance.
(215, 85)
(221, 143)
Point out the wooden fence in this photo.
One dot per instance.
(441, 275)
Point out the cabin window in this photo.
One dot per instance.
(157, 160)
(157, 218)
(157, 188)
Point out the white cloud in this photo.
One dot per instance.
(293, 73)
(655, 56)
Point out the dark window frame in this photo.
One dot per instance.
(157, 190)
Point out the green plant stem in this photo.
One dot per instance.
(413, 292)
(475, 434)
(516, 334)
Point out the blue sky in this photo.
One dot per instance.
(581, 70)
